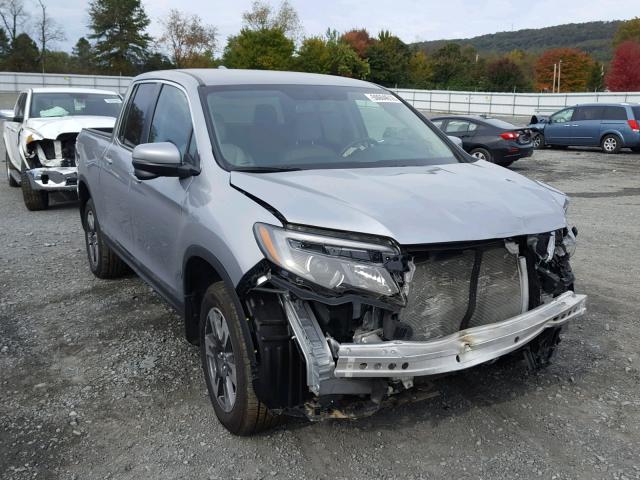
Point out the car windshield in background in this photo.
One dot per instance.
(271, 127)
(65, 104)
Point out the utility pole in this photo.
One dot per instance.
(553, 85)
(559, 71)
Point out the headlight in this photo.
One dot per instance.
(331, 262)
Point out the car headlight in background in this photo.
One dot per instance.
(330, 262)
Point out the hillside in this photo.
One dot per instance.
(592, 37)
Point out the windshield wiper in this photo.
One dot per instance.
(266, 169)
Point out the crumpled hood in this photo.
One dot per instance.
(413, 205)
(53, 126)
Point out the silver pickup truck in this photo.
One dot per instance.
(327, 246)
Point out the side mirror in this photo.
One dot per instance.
(456, 140)
(151, 160)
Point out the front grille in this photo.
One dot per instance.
(466, 288)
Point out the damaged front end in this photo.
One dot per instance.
(51, 163)
(349, 318)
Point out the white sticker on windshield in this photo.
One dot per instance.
(113, 100)
(381, 98)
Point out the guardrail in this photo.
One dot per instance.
(508, 104)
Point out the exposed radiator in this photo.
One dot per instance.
(458, 289)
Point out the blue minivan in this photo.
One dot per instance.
(611, 126)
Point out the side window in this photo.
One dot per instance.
(588, 113)
(172, 119)
(460, 126)
(562, 116)
(134, 126)
(438, 123)
(18, 110)
(614, 113)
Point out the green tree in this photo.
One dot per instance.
(5, 46)
(263, 17)
(597, 76)
(629, 30)
(59, 62)
(330, 55)
(389, 59)
(119, 30)
(504, 75)
(264, 49)
(82, 57)
(24, 55)
(157, 61)
(455, 67)
(419, 71)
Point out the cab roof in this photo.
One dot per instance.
(224, 76)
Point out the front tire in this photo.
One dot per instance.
(226, 365)
(103, 261)
(611, 144)
(10, 179)
(481, 154)
(538, 141)
(34, 200)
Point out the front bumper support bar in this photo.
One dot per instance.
(464, 349)
(53, 178)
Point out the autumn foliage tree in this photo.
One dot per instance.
(624, 71)
(190, 41)
(359, 40)
(575, 74)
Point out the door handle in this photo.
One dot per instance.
(109, 160)
(575, 125)
(567, 125)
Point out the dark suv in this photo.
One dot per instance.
(611, 126)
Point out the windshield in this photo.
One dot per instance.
(271, 127)
(68, 104)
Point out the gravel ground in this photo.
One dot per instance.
(96, 380)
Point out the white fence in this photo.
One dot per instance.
(508, 104)
(11, 82)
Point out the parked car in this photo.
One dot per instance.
(40, 137)
(322, 240)
(610, 126)
(488, 138)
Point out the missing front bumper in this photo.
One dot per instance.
(464, 349)
(53, 178)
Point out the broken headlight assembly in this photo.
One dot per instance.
(331, 262)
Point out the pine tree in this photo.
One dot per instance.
(119, 30)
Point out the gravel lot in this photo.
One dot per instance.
(96, 380)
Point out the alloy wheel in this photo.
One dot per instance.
(92, 238)
(536, 141)
(479, 155)
(610, 144)
(220, 359)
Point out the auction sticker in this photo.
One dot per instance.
(381, 98)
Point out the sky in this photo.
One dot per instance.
(411, 20)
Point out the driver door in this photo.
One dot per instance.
(558, 130)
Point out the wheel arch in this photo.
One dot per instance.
(200, 269)
(612, 132)
(84, 194)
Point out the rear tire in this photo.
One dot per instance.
(103, 261)
(34, 200)
(10, 170)
(611, 144)
(226, 365)
(481, 154)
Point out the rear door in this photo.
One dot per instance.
(157, 204)
(116, 174)
(557, 131)
(12, 131)
(463, 129)
(585, 125)
(614, 120)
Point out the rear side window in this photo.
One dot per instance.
(636, 112)
(171, 119)
(133, 130)
(460, 126)
(438, 123)
(589, 113)
(614, 113)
